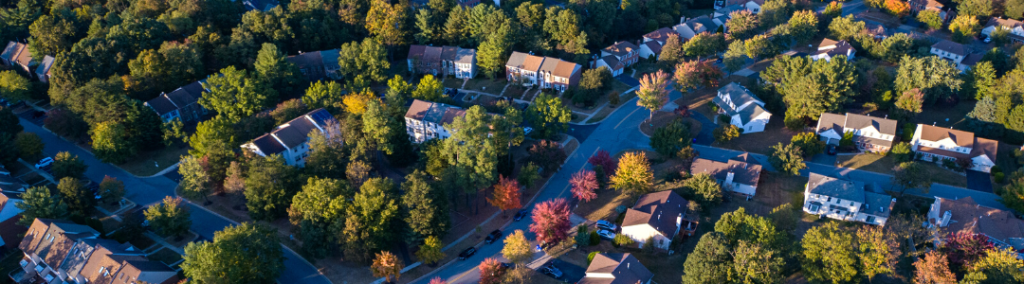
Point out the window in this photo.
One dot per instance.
(870, 220)
(828, 199)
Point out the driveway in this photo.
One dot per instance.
(979, 181)
(628, 80)
(707, 129)
(571, 273)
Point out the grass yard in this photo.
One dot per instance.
(486, 85)
(761, 142)
(945, 116)
(884, 164)
(8, 264)
(600, 115)
(515, 92)
(143, 164)
(645, 66)
(165, 255)
(452, 83)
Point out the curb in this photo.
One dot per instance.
(617, 108)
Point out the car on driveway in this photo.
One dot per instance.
(606, 234)
(45, 162)
(520, 215)
(831, 149)
(551, 270)
(494, 236)
(467, 253)
(606, 225)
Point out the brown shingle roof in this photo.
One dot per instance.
(625, 269)
(532, 62)
(743, 173)
(621, 48)
(951, 47)
(968, 216)
(416, 51)
(657, 209)
(985, 147)
(882, 125)
(565, 69)
(831, 121)
(935, 133)
(661, 35)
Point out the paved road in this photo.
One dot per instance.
(147, 191)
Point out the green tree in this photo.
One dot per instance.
(997, 266)
(787, 159)
(321, 201)
(877, 250)
(652, 93)
(704, 44)
(67, 165)
(760, 46)
(803, 26)
(75, 195)
(322, 95)
(1014, 9)
(671, 138)
(269, 187)
(845, 28)
(742, 25)
(981, 80)
(40, 202)
(672, 51)
(735, 56)
(109, 142)
(901, 152)
(754, 263)
(387, 22)
(975, 8)
(430, 252)
(371, 218)
(930, 18)
(169, 218)
(909, 103)
(809, 143)
(211, 132)
(633, 176)
(380, 127)
(592, 85)
(425, 206)
(828, 254)
(706, 189)
(162, 70)
(365, 61)
(738, 226)
(709, 262)
(327, 158)
(429, 89)
(235, 94)
(964, 28)
(548, 116)
(272, 68)
(495, 51)
(28, 144)
(14, 87)
(54, 33)
(726, 133)
(195, 180)
(247, 253)
(893, 48)
(774, 13)
(111, 190)
(911, 175)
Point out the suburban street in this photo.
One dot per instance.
(148, 191)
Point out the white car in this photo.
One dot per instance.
(606, 234)
(606, 225)
(45, 162)
(988, 39)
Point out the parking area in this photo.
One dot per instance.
(979, 181)
(570, 273)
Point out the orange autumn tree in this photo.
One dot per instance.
(507, 194)
(386, 265)
(490, 271)
(897, 8)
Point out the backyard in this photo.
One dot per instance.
(885, 164)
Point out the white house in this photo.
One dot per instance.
(660, 215)
(613, 64)
(1015, 27)
(1001, 227)
(754, 6)
(616, 268)
(969, 61)
(690, 28)
(870, 133)
(618, 56)
(426, 120)
(739, 174)
(937, 144)
(828, 49)
(291, 139)
(744, 109)
(952, 51)
(845, 200)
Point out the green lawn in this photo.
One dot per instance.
(152, 162)
(486, 85)
(8, 264)
(884, 164)
(165, 255)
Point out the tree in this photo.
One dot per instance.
(387, 265)
(964, 27)
(964, 248)
(809, 143)
(592, 86)
(703, 44)
(998, 266)
(28, 144)
(494, 51)
(755, 264)
(429, 89)
(365, 62)
(930, 18)
(803, 26)
(760, 46)
(672, 51)
(582, 237)
(209, 133)
(109, 142)
(737, 226)
(430, 252)
(909, 103)
(845, 28)
(425, 204)
(742, 25)
(603, 158)
(548, 116)
(491, 271)
(517, 248)
(981, 80)
(670, 139)
(75, 195)
(356, 102)
(788, 159)
(878, 251)
(195, 180)
(652, 92)
(933, 268)
(911, 175)
(709, 262)
(785, 217)
(693, 74)
(111, 190)
(322, 95)
(901, 152)
(974, 8)
(828, 254)
(1014, 9)
(321, 201)
(272, 67)
(935, 77)
(551, 221)
(154, 71)
(706, 189)
(735, 56)
(386, 22)
(507, 195)
(380, 127)
(726, 133)
(528, 174)
(67, 165)
(774, 13)
(583, 184)
(14, 87)
(437, 280)
(246, 253)
(897, 8)
(269, 187)
(633, 175)
(371, 221)
(170, 218)
(235, 94)
(40, 202)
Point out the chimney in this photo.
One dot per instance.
(945, 219)
(729, 177)
(933, 123)
(891, 204)
(886, 116)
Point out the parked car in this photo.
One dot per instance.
(987, 39)
(831, 149)
(494, 236)
(606, 234)
(520, 215)
(467, 253)
(606, 225)
(551, 270)
(45, 162)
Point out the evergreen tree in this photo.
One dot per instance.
(40, 202)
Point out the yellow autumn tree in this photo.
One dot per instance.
(634, 175)
(355, 103)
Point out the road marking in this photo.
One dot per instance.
(462, 275)
(624, 118)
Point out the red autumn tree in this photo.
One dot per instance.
(693, 74)
(491, 271)
(964, 248)
(584, 183)
(437, 280)
(603, 159)
(933, 268)
(551, 221)
(506, 194)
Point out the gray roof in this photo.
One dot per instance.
(833, 187)
(550, 64)
(268, 145)
(860, 121)
(657, 209)
(292, 133)
(465, 55)
(44, 66)
(625, 269)
(739, 96)
(516, 59)
(10, 51)
(743, 173)
(731, 8)
(701, 24)
(431, 112)
(831, 121)
(751, 112)
(876, 204)
(951, 47)
(330, 58)
(972, 59)
(310, 64)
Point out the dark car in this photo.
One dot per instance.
(520, 215)
(831, 149)
(467, 253)
(551, 270)
(494, 236)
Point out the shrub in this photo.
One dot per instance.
(649, 245)
(622, 240)
(997, 169)
(950, 164)
(724, 119)
(999, 176)
(590, 256)
(595, 239)
(613, 99)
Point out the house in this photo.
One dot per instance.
(425, 59)
(616, 268)
(739, 174)
(317, 65)
(742, 107)
(426, 120)
(62, 252)
(969, 61)
(659, 215)
(43, 71)
(1001, 227)
(660, 35)
(290, 140)
(951, 51)
(1015, 27)
(845, 200)
(689, 29)
(870, 133)
(945, 13)
(624, 51)
(17, 54)
(458, 62)
(937, 144)
(754, 6)
(182, 103)
(613, 64)
(546, 72)
(829, 48)
(10, 231)
(728, 10)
